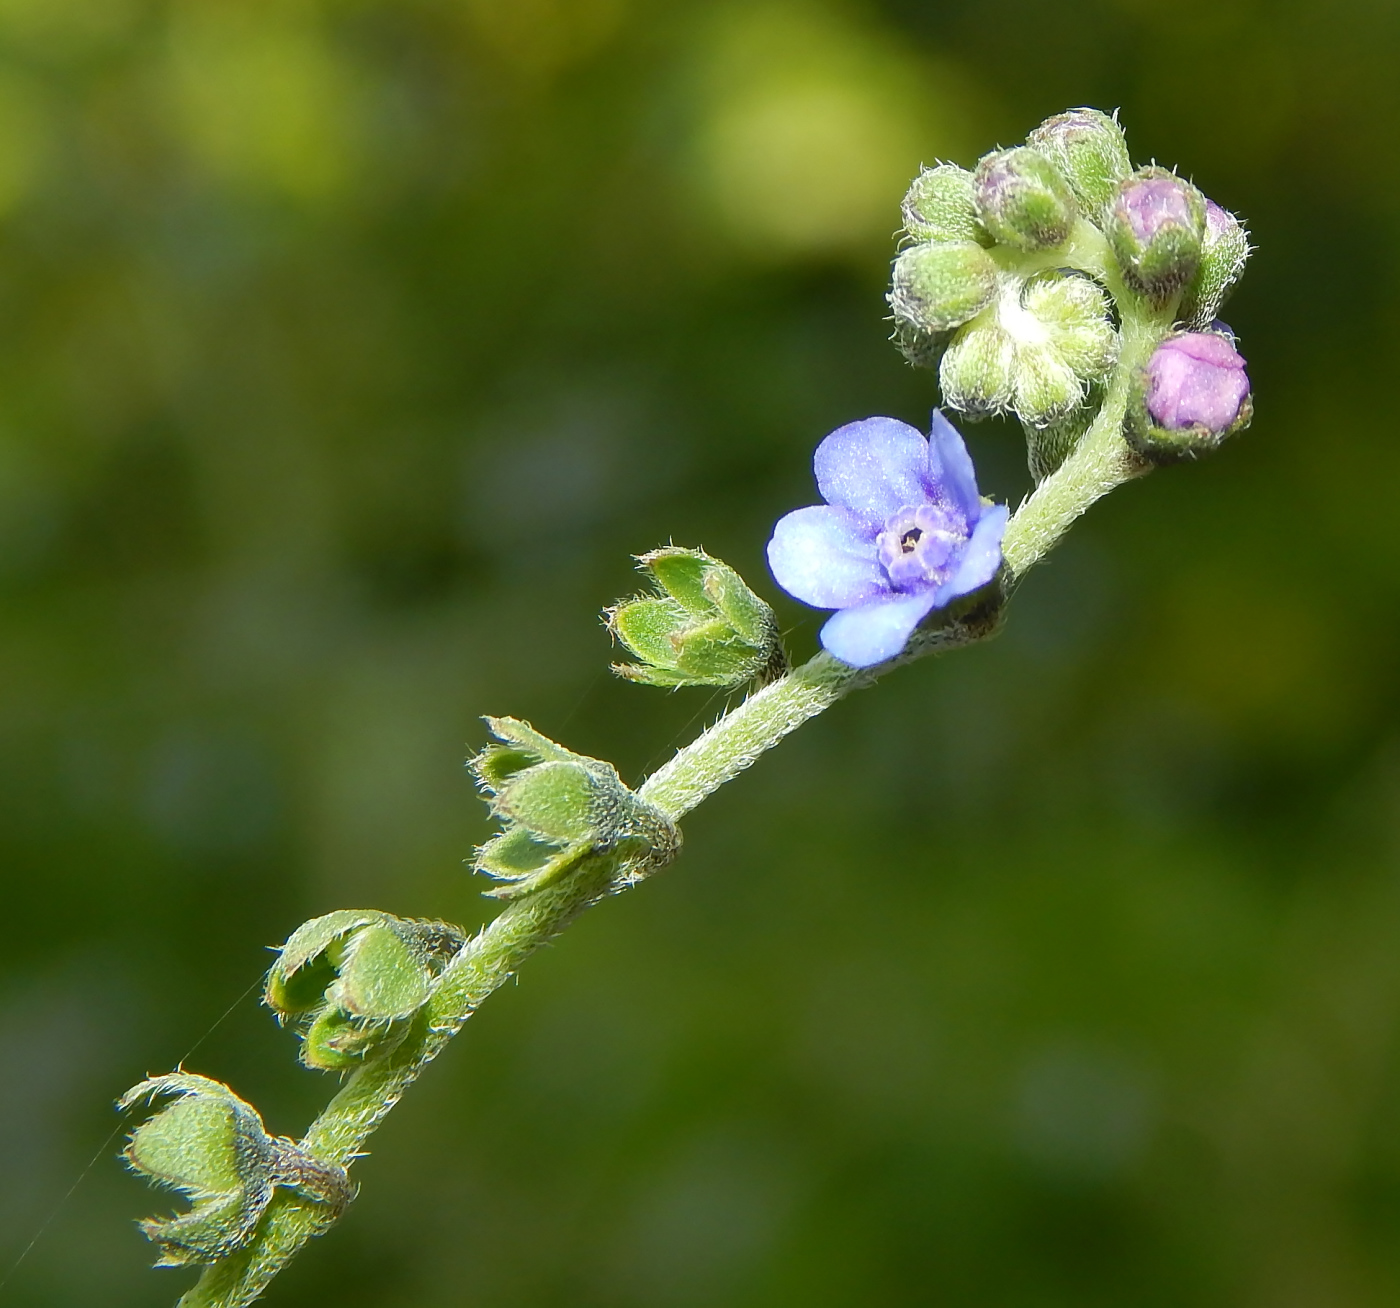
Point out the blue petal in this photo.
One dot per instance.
(873, 467)
(825, 558)
(981, 557)
(874, 632)
(950, 468)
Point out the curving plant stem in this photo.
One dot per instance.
(1101, 461)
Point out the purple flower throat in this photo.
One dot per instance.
(918, 545)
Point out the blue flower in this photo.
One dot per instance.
(903, 531)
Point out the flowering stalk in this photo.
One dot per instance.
(1007, 287)
(733, 743)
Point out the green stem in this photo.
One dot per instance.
(1100, 462)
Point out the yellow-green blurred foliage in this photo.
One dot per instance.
(348, 348)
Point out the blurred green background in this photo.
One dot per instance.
(347, 350)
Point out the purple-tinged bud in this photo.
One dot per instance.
(1023, 200)
(1156, 226)
(1088, 148)
(1223, 255)
(1193, 393)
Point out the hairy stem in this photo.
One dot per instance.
(1101, 462)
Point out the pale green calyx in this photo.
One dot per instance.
(703, 626)
(939, 207)
(356, 978)
(1034, 352)
(557, 809)
(1089, 149)
(937, 286)
(211, 1146)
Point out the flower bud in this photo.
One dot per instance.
(1046, 386)
(1022, 199)
(939, 207)
(703, 626)
(1072, 312)
(1193, 393)
(1156, 225)
(1049, 446)
(940, 286)
(211, 1146)
(357, 977)
(1223, 255)
(557, 808)
(1088, 148)
(978, 372)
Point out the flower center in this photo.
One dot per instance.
(919, 545)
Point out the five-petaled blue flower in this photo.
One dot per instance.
(903, 531)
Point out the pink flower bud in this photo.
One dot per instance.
(1194, 393)
(1196, 380)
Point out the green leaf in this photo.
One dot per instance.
(522, 735)
(338, 1040)
(515, 853)
(713, 653)
(750, 617)
(306, 965)
(191, 1146)
(496, 764)
(648, 628)
(652, 676)
(681, 574)
(381, 977)
(559, 801)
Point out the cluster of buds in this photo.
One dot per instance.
(1004, 281)
(209, 1146)
(558, 808)
(354, 980)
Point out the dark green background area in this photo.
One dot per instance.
(347, 351)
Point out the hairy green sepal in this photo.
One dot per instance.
(356, 978)
(703, 626)
(558, 808)
(210, 1146)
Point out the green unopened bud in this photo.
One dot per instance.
(938, 286)
(357, 977)
(1049, 446)
(1046, 386)
(703, 626)
(1023, 200)
(211, 1146)
(939, 207)
(978, 371)
(1223, 255)
(557, 808)
(1088, 148)
(1073, 313)
(1156, 226)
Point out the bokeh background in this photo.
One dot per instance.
(347, 350)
